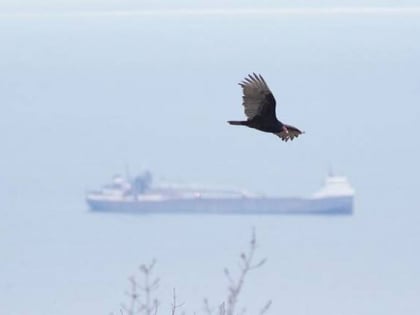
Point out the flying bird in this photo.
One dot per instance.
(260, 108)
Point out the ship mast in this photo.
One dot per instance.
(330, 170)
(127, 172)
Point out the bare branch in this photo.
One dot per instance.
(265, 308)
(235, 287)
(149, 306)
(262, 262)
(222, 310)
(175, 306)
(207, 309)
(140, 299)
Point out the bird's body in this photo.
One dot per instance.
(260, 108)
(260, 124)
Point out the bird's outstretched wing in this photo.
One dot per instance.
(257, 97)
(292, 132)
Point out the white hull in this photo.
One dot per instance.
(328, 205)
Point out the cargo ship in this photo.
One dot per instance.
(139, 195)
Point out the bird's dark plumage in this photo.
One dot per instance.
(260, 108)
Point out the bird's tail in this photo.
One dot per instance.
(237, 123)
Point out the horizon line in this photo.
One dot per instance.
(219, 12)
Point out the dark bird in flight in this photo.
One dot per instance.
(260, 108)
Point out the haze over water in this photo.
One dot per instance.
(85, 95)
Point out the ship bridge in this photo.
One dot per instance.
(335, 186)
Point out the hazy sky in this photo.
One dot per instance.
(49, 5)
(155, 91)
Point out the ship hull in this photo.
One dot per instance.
(341, 205)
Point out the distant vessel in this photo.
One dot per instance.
(138, 195)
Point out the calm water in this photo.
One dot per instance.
(63, 259)
(83, 97)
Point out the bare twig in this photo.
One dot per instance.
(133, 297)
(222, 310)
(265, 308)
(150, 305)
(246, 265)
(140, 297)
(207, 309)
(175, 306)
